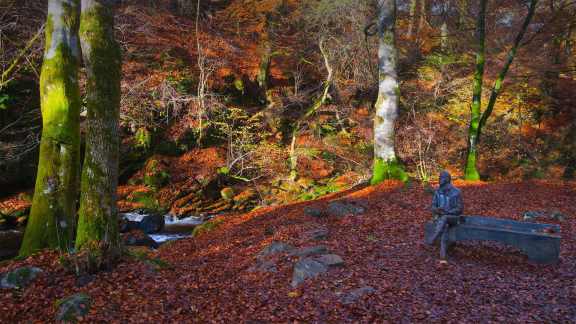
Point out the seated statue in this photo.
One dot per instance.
(447, 205)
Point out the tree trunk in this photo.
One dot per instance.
(412, 18)
(444, 27)
(444, 36)
(386, 164)
(98, 215)
(510, 58)
(471, 173)
(478, 122)
(422, 18)
(52, 217)
(263, 76)
(571, 49)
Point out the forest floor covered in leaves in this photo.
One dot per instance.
(210, 277)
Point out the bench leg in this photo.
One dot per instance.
(444, 243)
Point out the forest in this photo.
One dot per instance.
(263, 161)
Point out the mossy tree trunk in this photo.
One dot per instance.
(52, 217)
(386, 164)
(477, 121)
(98, 215)
(470, 172)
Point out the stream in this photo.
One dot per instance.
(174, 229)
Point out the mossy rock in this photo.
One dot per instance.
(147, 200)
(156, 174)
(227, 193)
(20, 277)
(207, 227)
(72, 307)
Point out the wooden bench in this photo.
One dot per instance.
(540, 242)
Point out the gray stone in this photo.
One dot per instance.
(556, 215)
(151, 224)
(19, 278)
(352, 296)
(264, 266)
(311, 250)
(72, 307)
(530, 215)
(344, 208)
(313, 211)
(138, 238)
(305, 269)
(330, 260)
(317, 234)
(275, 248)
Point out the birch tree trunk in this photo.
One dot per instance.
(386, 164)
(98, 215)
(53, 212)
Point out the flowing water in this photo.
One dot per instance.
(174, 229)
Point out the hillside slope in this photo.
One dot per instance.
(212, 277)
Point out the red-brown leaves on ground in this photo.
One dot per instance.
(382, 249)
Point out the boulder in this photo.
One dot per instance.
(557, 215)
(311, 250)
(354, 295)
(317, 234)
(274, 248)
(306, 268)
(127, 225)
(72, 307)
(530, 215)
(151, 224)
(138, 238)
(19, 278)
(553, 215)
(330, 260)
(345, 208)
(313, 212)
(264, 266)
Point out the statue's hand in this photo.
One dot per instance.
(436, 210)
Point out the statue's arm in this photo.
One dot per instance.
(435, 204)
(457, 205)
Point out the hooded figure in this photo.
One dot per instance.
(446, 204)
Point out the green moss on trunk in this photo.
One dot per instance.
(98, 224)
(470, 172)
(477, 120)
(52, 217)
(385, 170)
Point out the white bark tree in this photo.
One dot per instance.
(386, 164)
